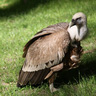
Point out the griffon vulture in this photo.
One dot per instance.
(48, 50)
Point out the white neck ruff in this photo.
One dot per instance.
(77, 34)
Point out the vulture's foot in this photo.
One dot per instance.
(52, 88)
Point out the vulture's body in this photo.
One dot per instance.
(46, 49)
(50, 50)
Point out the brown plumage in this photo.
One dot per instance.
(48, 48)
(70, 61)
(45, 32)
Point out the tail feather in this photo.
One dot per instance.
(37, 74)
(31, 77)
(42, 75)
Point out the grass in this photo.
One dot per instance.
(19, 21)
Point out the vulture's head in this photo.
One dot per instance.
(78, 27)
(78, 19)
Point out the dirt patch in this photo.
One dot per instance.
(5, 84)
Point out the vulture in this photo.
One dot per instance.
(52, 49)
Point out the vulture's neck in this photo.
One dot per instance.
(77, 33)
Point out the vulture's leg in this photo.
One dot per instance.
(49, 74)
(54, 69)
(57, 67)
(53, 77)
(51, 81)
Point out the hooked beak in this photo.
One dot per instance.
(72, 23)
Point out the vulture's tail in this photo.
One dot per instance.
(32, 78)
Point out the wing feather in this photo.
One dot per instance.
(44, 32)
(47, 51)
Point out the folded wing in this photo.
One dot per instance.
(46, 49)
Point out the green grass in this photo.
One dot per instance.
(19, 21)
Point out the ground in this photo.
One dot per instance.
(20, 20)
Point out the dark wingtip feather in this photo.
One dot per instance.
(20, 86)
(24, 55)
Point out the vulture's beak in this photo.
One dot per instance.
(73, 22)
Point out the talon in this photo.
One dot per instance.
(52, 88)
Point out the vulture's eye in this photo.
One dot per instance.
(78, 19)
